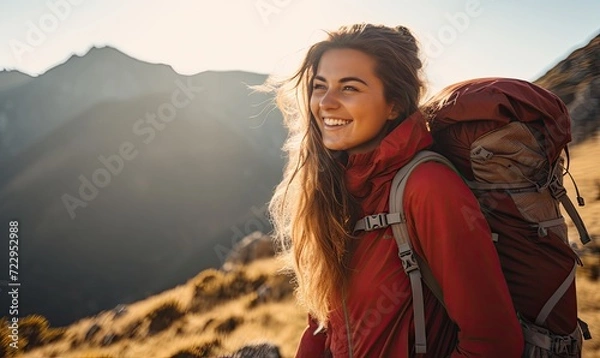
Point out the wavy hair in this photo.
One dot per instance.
(312, 212)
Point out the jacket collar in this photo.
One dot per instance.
(369, 173)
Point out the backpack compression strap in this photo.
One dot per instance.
(558, 192)
(414, 266)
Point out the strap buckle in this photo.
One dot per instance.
(556, 188)
(409, 263)
(564, 345)
(374, 222)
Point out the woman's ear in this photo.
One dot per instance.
(394, 112)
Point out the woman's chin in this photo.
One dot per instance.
(336, 147)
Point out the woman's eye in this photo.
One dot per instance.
(349, 88)
(318, 86)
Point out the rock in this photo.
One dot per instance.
(91, 332)
(264, 350)
(108, 339)
(585, 110)
(252, 247)
(278, 288)
(119, 310)
(576, 80)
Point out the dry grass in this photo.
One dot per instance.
(586, 171)
(179, 331)
(588, 296)
(280, 323)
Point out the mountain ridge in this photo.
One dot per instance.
(576, 80)
(159, 219)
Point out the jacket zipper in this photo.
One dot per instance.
(350, 352)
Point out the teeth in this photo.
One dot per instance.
(335, 121)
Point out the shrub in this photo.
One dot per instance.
(164, 316)
(35, 331)
(276, 288)
(258, 350)
(215, 287)
(5, 349)
(95, 354)
(207, 276)
(132, 329)
(229, 325)
(92, 332)
(202, 350)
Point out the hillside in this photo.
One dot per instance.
(585, 170)
(576, 80)
(222, 329)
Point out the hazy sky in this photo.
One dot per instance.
(461, 38)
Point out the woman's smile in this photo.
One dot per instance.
(335, 123)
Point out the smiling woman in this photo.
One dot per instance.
(350, 110)
(353, 119)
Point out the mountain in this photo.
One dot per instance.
(32, 107)
(12, 79)
(576, 80)
(139, 178)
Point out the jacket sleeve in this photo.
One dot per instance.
(455, 240)
(312, 345)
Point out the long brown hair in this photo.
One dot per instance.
(312, 211)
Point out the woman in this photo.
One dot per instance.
(354, 121)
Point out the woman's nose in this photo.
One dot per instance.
(329, 100)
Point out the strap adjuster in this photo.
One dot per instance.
(409, 262)
(556, 188)
(564, 345)
(374, 222)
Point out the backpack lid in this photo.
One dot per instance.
(500, 101)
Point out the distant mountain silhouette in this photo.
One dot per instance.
(39, 105)
(192, 186)
(12, 79)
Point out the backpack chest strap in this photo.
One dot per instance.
(377, 221)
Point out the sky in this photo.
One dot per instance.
(460, 39)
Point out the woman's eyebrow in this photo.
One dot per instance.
(343, 80)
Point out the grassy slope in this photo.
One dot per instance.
(279, 322)
(586, 171)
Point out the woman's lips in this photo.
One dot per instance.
(332, 123)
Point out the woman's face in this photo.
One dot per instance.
(348, 101)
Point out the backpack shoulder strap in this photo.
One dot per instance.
(414, 266)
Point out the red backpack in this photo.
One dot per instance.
(505, 138)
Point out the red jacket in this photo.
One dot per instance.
(451, 234)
